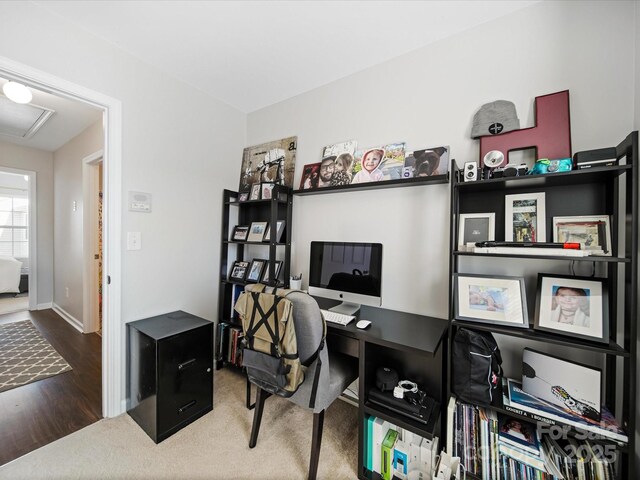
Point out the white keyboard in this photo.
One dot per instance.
(338, 318)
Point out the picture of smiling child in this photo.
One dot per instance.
(367, 170)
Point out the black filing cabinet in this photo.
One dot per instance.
(169, 372)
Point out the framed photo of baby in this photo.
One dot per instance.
(573, 306)
(491, 299)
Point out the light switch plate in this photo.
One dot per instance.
(134, 240)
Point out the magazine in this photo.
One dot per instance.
(518, 401)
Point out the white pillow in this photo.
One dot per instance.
(9, 275)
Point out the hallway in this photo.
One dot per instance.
(39, 413)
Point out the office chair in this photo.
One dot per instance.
(337, 372)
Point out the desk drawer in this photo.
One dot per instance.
(340, 343)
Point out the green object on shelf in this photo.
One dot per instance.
(386, 460)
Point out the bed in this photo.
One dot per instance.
(10, 275)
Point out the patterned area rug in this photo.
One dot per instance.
(25, 356)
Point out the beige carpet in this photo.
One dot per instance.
(213, 447)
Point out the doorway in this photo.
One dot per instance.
(18, 240)
(92, 181)
(113, 402)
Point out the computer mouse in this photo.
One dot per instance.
(363, 324)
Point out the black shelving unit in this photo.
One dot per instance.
(596, 191)
(235, 212)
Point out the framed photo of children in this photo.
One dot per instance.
(491, 299)
(255, 270)
(524, 218)
(573, 306)
(238, 271)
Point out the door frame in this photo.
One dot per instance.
(113, 358)
(33, 232)
(90, 190)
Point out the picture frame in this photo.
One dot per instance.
(310, 175)
(497, 300)
(266, 191)
(265, 273)
(240, 233)
(256, 231)
(524, 218)
(243, 197)
(272, 162)
(279, 231)
(255, 192)
(592, 232)
(585, 315)
(572, 386)
(254, 273)
(238, 271)
(476, 227)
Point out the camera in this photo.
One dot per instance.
(510, 170)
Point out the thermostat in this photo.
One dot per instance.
(139, 202)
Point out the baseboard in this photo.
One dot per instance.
(75, 323)
(44, 306)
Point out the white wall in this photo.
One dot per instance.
(428, 98)
(41, 162)
(179, 144)
(68, 224)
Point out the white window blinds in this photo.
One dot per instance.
(14, 223)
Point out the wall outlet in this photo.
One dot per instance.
(66, 292)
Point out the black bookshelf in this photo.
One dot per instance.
(595, 191)
(235, 212)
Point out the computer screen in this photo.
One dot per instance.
(347, 271)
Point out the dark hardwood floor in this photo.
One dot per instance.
(38, 413)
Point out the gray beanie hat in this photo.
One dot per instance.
(494, 118)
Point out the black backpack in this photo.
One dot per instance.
(476, 365)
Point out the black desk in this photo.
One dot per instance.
(414, 345)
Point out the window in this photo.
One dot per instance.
(14, 224)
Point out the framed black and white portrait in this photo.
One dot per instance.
(476, 227)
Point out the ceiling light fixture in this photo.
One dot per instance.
(17, 92)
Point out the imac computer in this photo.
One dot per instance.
(347, 271)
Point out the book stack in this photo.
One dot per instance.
(229, 344)
(395, 452)
(493, 446)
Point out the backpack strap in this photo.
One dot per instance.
(255, 326)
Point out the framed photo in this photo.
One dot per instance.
(476, 227)
(244, 196)
(524, 218)
(426, 163)
(255, 192)
(569, 385)
(240, 233)
(573, 306)
(310, 175)
(491, 299)
(239, 271)
(267, 191)
(279, 231)
(256, 232)
(272, 162)
(593, 233)
(255, 270)
(265, 275)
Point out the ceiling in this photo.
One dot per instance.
(70, 118)
(251, 54)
